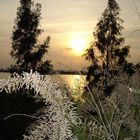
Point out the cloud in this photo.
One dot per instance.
(68, 48)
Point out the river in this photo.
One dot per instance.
(71, 80)
(75, 83)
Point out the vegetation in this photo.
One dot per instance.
(115, 117)
(37, 107)
(59, 115)
(25, 50)
(15, 113)
(107, 53)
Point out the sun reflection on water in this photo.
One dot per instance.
(76, 85)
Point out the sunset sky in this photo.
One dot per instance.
(70, 23)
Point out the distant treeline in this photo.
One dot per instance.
(4, 70)
(69, 72)
(82, 72)
(52, 72)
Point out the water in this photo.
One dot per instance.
(73, 81)
(4, 75)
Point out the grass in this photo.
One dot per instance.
(115, 117)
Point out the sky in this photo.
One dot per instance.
(69, 22)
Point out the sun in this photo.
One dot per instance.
(78, 45)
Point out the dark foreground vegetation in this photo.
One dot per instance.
(13, 122)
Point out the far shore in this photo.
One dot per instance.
(58, 72)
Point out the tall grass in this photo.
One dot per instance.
(57, 118)
(116, 117)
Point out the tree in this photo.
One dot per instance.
(45, 67)
(25, 50)
(106, 52)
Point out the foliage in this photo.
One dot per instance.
(59, 116)
(116, 117)
(25, 50)
(45, 67)
(14, 108)
(107, 53)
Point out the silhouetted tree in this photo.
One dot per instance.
(25, 50)
(45, 67)
(106, 52)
